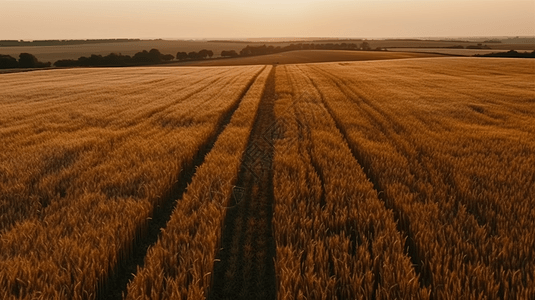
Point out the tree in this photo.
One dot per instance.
(246, 51)
(27, 60)
(114, 59)
(168, 57)
(365, 46)
(95, 60)
(203, 54)
(181, 56)
(231, 53)
(144, 57)
(141, 57)
(193, 55)
(155, 55)
(8, 62)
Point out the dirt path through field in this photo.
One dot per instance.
(244, 268)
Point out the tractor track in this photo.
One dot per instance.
(115, 285)
(244, 268)
(402, 222)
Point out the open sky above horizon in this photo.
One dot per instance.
(86, 19)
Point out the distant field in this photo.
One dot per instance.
(391, 179)
(54, 53)
(436, 44)
(290, 57)
(464, 52)
(307, 56)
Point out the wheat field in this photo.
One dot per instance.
(382, 179)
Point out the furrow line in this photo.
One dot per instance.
(244, 268)
(401, 222)
(115, 286)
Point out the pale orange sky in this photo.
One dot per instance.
(84, 19)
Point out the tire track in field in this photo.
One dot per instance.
(115, 285)
(321, 103)
(379, 117)
(402, 222)
(392, 130)
(206, 82)
(244, 268)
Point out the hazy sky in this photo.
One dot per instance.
(70, 19)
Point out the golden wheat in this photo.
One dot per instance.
(335, 239)
(181, 263)
(100, 150)
(393, 179)
(450, 143)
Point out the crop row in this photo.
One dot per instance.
(334, 237)
(67, 123)
(181, 264)
(101, 151)
(387, 180)
(451, 147)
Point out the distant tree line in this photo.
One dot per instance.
(26, 60)
(203, 54)
(231, 53)
(510, 53)
(154, 56)
(478, 46)
(263, 50)
(455, 47)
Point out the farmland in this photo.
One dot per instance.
(305, 56)
(459, 52)
(377, 179)
(53, 53)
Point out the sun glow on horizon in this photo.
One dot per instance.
(238, 18)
